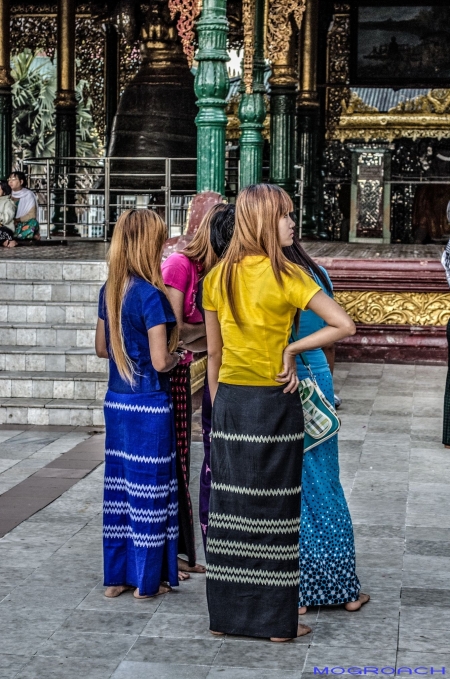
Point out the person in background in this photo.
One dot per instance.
(137, 331)
(181, 273)
(220, 223)
(250, 300)
(7, 214)
(446, 431)
(26, 223)
(327, 547)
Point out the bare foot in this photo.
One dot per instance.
(447, 446)
(117, 590)
(163, 589)
(183, 576)
(301, 631)
(302, 610)
(185, 568)
(356, 605)
(217, 634)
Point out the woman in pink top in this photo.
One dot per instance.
(182, 272)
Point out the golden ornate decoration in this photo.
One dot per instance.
(248, 20)
(233, 129)
(338, 66)
(396, 308)
(425, 116)
(279, 29)
(188, 10)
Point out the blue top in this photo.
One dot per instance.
(144, 307)
(309, 323)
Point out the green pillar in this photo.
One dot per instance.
(308, 112)
(283, 94)
(5, 92)
(252, 110)
(211, 87)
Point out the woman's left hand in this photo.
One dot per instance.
(289, 375)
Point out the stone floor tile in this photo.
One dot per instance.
(154, 670)
(55, 667)
(423, 617)
(177, 626)
(11, 664)
(417, 596)
(414, 659)
(96, 601)
(176, 651)
(40, 595)
(107, 622)
(367, 636)
(244, 673)
(78, 645)
(262, 653)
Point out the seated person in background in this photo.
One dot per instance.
(26, 224)
(7, 213)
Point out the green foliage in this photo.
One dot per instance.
(34, 92)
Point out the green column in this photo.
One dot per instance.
(252, 110)
(5, 92)
(308, 112)
(283, 94)
(211, 87)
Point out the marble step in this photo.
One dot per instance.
(47, 334)
(53, 385)
(49, 291)
(51, 270)
(48, 312)
(50, 359)
(44, 411)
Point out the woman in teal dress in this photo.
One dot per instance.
(327, 548)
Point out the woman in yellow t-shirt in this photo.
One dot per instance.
(250, 299)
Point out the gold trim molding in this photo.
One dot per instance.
(424, 116)
(396, 308)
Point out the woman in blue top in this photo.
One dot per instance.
(137, 331)
(327, 549)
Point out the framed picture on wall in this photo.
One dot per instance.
(400, 43)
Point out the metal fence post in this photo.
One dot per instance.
(107, 198)
(168, 196)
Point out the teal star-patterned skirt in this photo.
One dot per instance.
(327, 548)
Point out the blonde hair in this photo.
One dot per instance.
(136, 250)
(259, 208)
(200, 248)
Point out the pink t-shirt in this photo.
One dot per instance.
(183, 274)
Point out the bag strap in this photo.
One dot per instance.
(308, 367)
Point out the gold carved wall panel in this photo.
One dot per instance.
(396, 308)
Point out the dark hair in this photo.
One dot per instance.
(5, 187)
(21, 176)
(222, 228)
(296, 254)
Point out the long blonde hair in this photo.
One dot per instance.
(200, 249)
(136, 250)
(259, 208)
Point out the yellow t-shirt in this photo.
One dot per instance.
(252, 352)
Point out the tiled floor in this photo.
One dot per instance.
(55, 622)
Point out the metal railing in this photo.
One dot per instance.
(83, 197)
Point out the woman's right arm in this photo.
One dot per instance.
(162, 360)
(215, 345)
